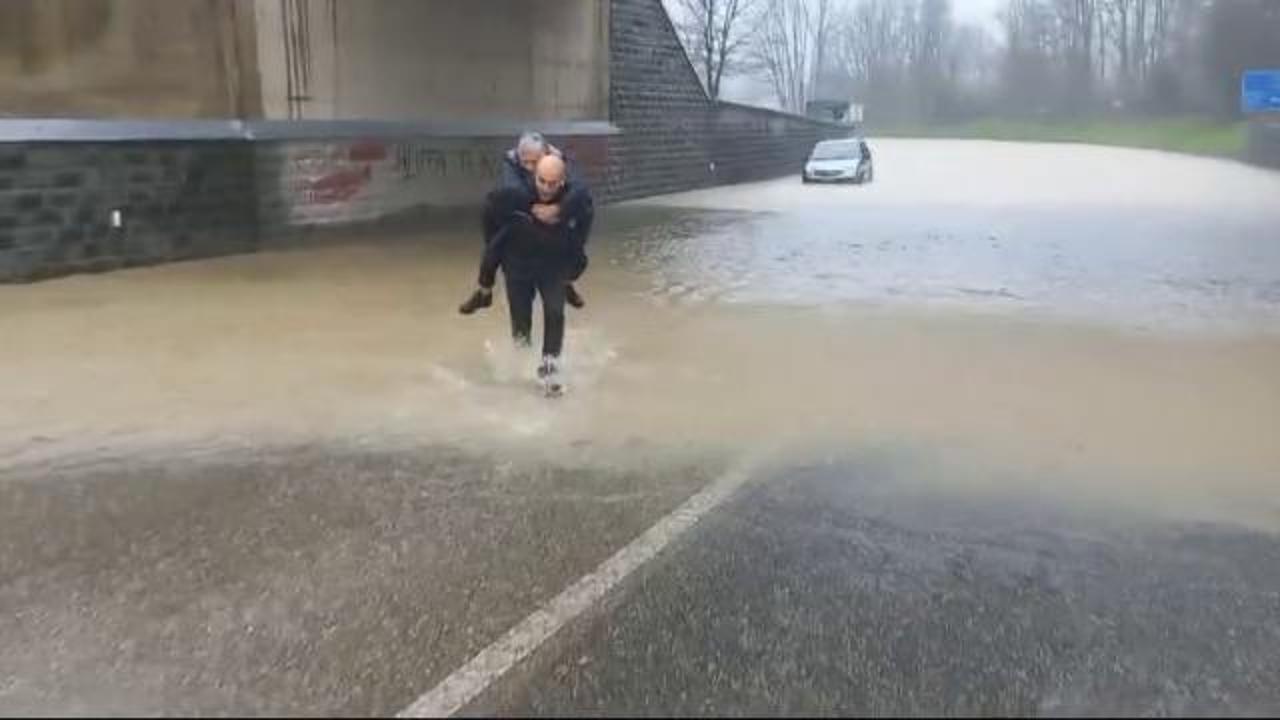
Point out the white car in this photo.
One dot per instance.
(839, 161)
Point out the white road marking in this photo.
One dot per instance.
(467, 682)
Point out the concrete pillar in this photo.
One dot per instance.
(297, 56)
(570, 59)
(238, 52)
(42, 37)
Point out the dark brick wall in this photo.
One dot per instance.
(658, 104)
(177, 201)
(192, 199)
(753, 144)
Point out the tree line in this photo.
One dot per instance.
(912, 61)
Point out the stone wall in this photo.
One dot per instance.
(749, 143)
(658, 105)
(241, 186)
(326, 181)
(176, 200)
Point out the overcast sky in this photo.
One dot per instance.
(983, 11)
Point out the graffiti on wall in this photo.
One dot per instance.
(345, 181)
(327, 175)
(418, 160)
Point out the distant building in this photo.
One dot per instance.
(841, 111)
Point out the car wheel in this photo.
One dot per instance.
(805, 179)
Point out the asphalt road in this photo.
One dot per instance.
(298, 580)
(832, 590)
(1012, 439)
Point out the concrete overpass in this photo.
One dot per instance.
(267, 115)
(316, 59)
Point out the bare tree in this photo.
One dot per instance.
(907, 61)
(822, 30)
(715, 32)
(1030, 66)
(1077, 20)
(968, 69)
(865, 41)
(873, 48)
(931, 29)
(1118, 26)
(1140, 37)
(787, 42)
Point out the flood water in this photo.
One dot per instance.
(1105, 322)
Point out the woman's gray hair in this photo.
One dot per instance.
(531, 140)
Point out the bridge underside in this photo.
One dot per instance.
(316, 59)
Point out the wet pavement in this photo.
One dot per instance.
(302, 580)
(858, 587)
(1019, 405)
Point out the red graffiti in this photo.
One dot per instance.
(338, 186)
(337, 174)
(367, 151)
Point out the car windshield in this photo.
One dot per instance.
(840, 151)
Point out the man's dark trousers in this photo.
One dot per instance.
(523, 281)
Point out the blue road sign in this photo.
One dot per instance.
(1260, 91)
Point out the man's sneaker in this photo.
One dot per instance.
(549, 374)
(573, 298)
(479, 299)
(548, 367)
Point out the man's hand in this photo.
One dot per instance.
(546, 214)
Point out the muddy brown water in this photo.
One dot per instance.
(1105, 322)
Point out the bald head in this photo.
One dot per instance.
(549, 177)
